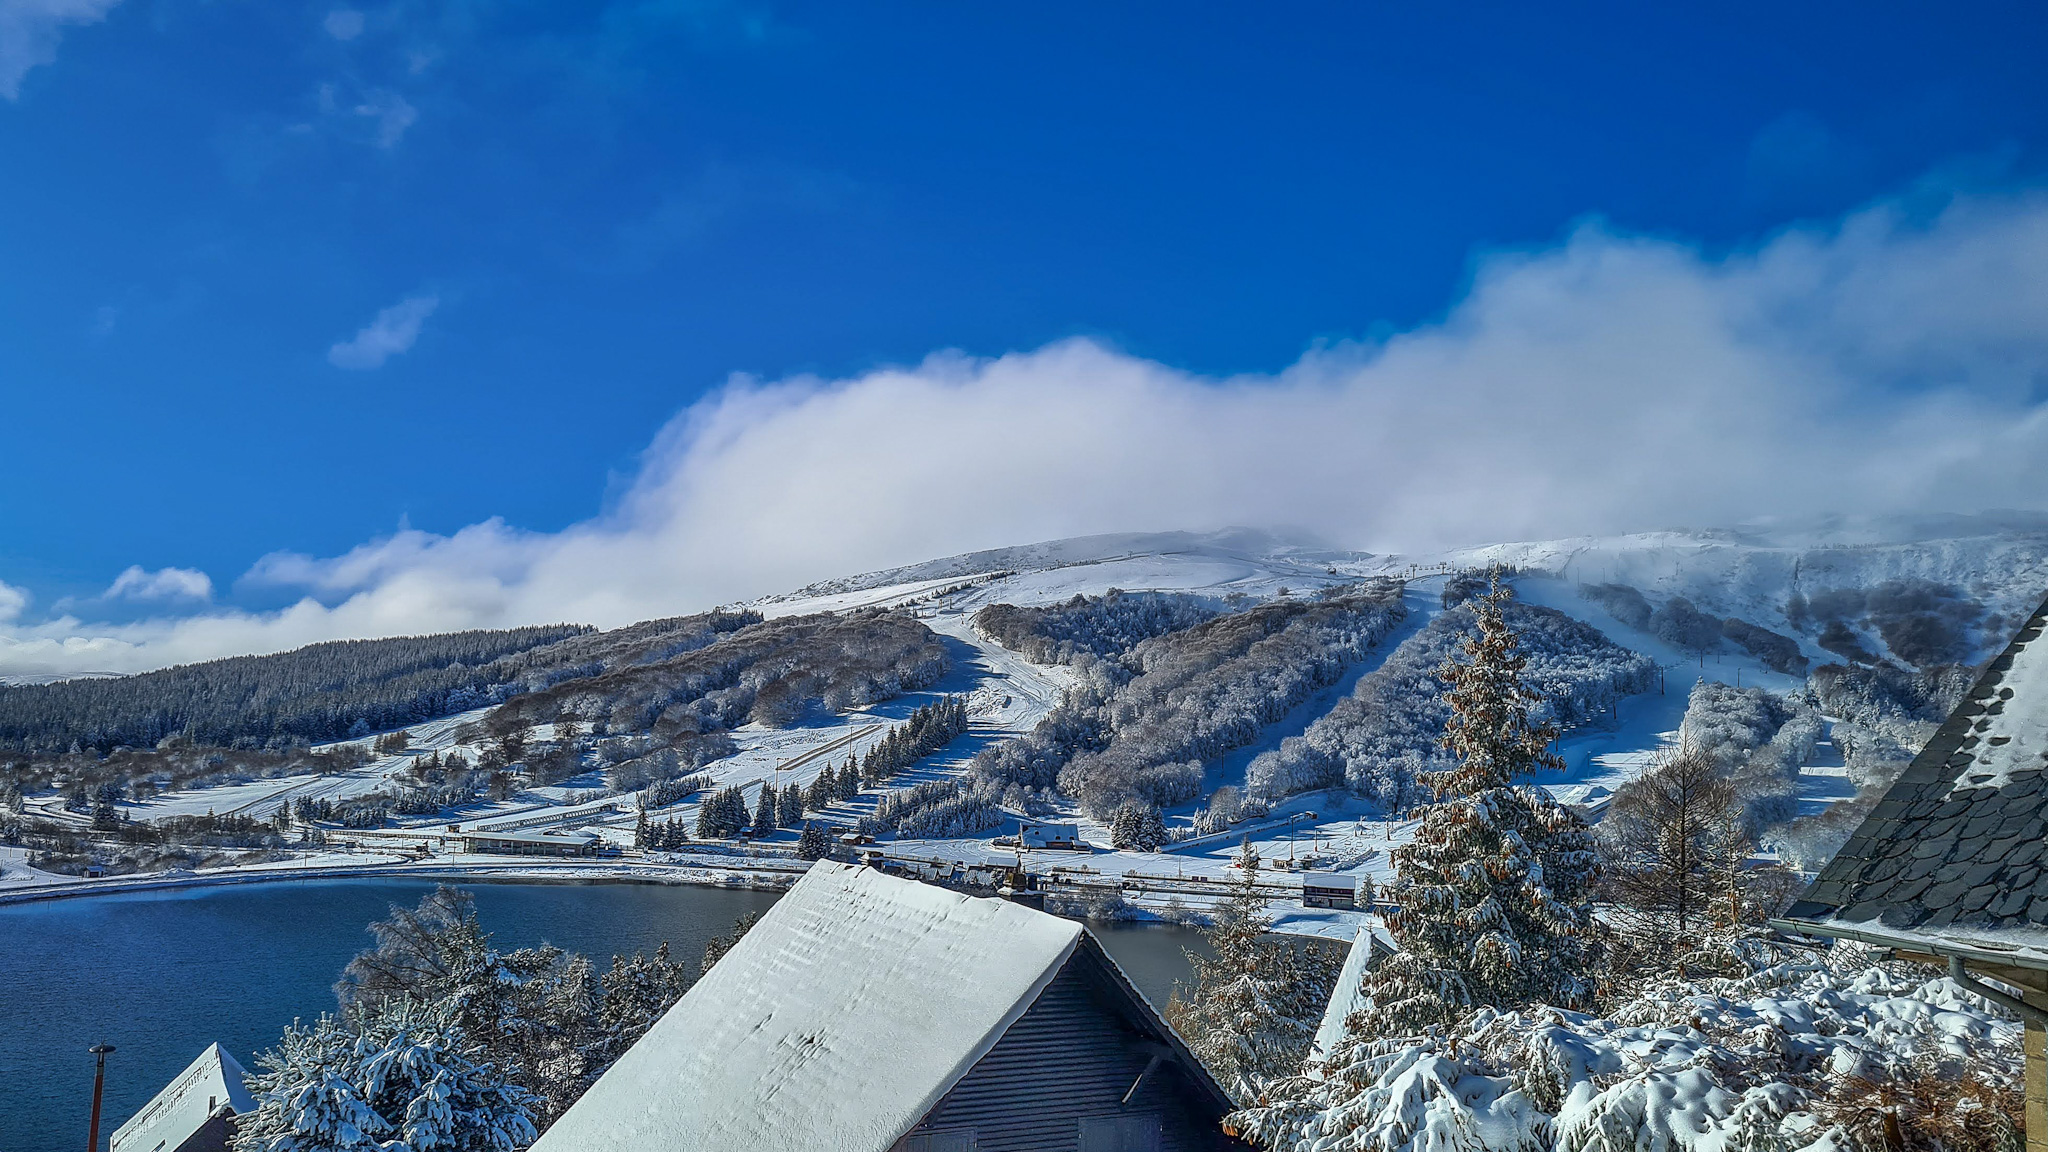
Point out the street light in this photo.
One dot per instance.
(99, 1081)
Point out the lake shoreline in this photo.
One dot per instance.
(692, 875)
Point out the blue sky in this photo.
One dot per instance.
(277, 279)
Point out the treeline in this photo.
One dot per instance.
(318, 693)
(772, 672)
(929, 729)
(1681, 624)
(1140, 727)
(140, 774)
(1100, 626)
(1378, 740)
(1923, 622)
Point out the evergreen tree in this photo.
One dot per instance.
(813, 844)
(716, 947)
(408, 1079)
(633, 995)
(1137, 826)
(1256, 1000)
(1493, 897)
(820, 794)
(764, 812)
(846, 785)
(789, 807)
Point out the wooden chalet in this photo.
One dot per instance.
(870, 1013)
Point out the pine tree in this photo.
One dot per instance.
(1493, 897)
(789, 807)
(813, 844)
(819, 795)
(409, 1079)
(846, 785)
(1137, 826)
(764, 812)
(1244, 1020)
(633, 995)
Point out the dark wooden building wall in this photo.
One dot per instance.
(1073, 1054)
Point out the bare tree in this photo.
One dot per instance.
(1675, 845)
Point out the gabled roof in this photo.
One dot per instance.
(181, 1109)
(837, 1022)
(1951, 860)
(1367, 949)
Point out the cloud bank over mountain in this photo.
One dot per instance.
(1891, 362)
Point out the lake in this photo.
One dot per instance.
(160, 975)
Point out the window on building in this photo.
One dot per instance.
(1120, 1133)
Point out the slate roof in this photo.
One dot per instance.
(1954, 858)
(837, 1022)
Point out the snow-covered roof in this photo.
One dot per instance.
(837, 1022)
(208, 1084)
(1954, 858)
(1366, 948)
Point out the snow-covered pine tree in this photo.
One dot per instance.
(408, 1079)
(634, 994)
(1138, 826)
(764, 812)
(813, 844)
(1236, 1019)
(789, 807)
(1493, 896)
(819, 795)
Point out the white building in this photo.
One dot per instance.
(194, 1112)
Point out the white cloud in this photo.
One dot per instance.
(163, 584)
(343, 24)
(392, 332)
(12, 602)
(1608, 383)
(30, 30)
(391, 113)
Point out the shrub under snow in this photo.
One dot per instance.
(1780, 1054)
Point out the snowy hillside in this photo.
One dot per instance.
(1630, 658)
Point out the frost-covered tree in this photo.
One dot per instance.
(634, 994)
(789, 806)
(764, 812)
(1252, 1012)
(716, 947)
(813, 844)
(406, 1078)
(1137, 826)
(1674, 847)
(1493, 896)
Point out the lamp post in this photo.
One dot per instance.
(99, 1081)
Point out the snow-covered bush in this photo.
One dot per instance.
(1764, 1055)
(1383, 736)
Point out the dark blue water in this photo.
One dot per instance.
(161, 975)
